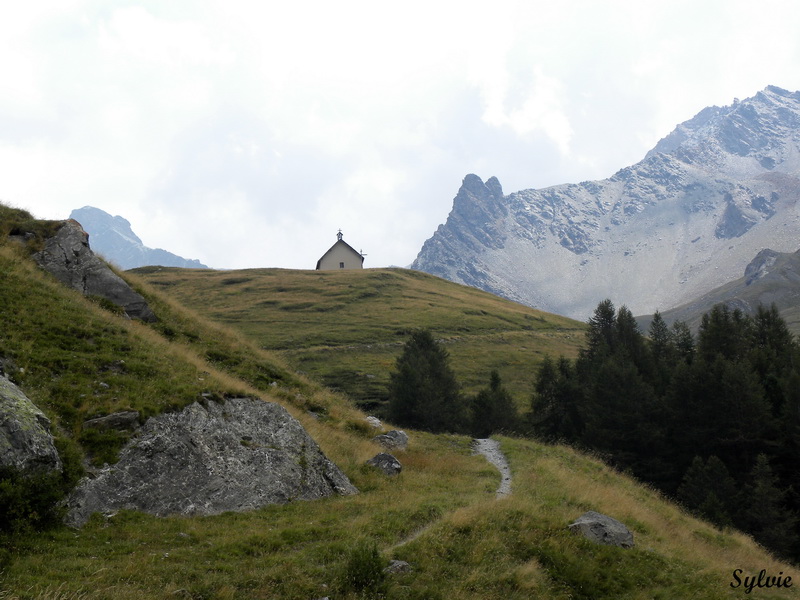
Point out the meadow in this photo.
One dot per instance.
(440, 514)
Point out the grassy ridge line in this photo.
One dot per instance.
(345, 328)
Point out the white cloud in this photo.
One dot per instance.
(246, 133)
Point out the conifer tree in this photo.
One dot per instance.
(423, 391)
(661, 338)
(493, 409)
(557, 403)
(684, 341)
(766, 517)
(709, 490)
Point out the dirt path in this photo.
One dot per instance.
(491, 450)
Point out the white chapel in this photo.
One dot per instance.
(340, 256)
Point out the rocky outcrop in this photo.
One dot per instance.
(68, 257)
(759, 267)
(25, 439)
(233, 456)
(602, 529)
(113, 238)
(657, 234)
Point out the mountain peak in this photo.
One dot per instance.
(113, 238)
(687, 218)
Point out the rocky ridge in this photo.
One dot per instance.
(687, 218)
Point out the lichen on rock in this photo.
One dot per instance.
(237, 455)
(25, 439)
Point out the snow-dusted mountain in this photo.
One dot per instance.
(114, 240)
(686, 219)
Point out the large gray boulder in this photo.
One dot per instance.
(602, 529)
(68, 257)
(25, 440)
(235, 456)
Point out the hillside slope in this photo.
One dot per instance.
(64, 350)
(684, 220)
(347, 328)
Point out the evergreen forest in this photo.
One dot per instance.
(712, 421)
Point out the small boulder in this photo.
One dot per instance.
(602, 529)
(386, 463)
(398, 566)
(120, 421)
(374, 422)
(393, 440)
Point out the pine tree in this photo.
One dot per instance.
(709, 490)
(684, 341)
(661, 338)
(767, 518)
(423, 391)
(493, 409)
(601, 337)
(557, 403)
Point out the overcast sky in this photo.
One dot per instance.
(245, 134)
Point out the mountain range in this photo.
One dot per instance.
(113, 238)
(688, 218)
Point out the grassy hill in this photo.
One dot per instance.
(346, 328)
(75, 359)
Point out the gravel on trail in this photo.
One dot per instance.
(491, 450)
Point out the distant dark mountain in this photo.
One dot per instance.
(770, 278)
(685, 220)
(113, 238)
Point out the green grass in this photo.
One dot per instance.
(346, 329)
(461, 541)
(472, 546)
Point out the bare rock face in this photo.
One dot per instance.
(602, 529)
(25, 440)
(205, 460)
(68, 257)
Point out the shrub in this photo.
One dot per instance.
(363, 573)
(29, 500)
